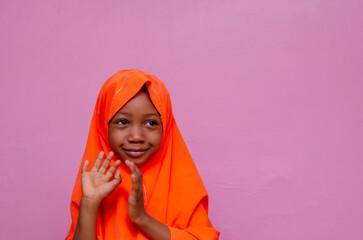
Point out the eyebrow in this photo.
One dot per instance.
(124, 113)
(152, 114)
(147, 114)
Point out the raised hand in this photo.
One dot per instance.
(96, 184)
(136, 210)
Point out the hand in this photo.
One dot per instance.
(96, 184)
(136, 210)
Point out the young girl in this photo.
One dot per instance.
(156, 193)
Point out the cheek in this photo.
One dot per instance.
(111, 141)
(114, 138)
(158, 140)
(110, 137)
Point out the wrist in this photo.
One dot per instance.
(90, 203)
(142, 220)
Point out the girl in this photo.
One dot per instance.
(157, 192)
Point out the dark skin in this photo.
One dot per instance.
(96, 185)
(135, 130)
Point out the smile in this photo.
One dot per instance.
(135, 153)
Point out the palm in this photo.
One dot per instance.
(136, 209)
(97, 183)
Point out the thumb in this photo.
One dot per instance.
(116, 180)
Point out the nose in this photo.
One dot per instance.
(136, 134)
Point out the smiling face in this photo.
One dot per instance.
(135, 132)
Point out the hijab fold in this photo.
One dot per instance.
(174, 193)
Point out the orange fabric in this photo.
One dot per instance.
(173, 190)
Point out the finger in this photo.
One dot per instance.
(115, 181)
(140, 179)
(85, 166)
(117, 176)
(135, 178)
(111, 171)
(127, 162)
(106, 163)
(139, 173)
(97, 163)
(130, 165)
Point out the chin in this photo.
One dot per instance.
(136, 161)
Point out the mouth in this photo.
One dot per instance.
(135, 153)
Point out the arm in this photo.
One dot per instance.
(87, 218)
(153, 228)
(96, 185)
(199, 226)
(136, 211)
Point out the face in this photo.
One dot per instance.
(135, 132)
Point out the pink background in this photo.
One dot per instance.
(268, 96)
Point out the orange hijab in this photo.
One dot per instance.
(173, 190)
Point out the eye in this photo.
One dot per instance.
(122, 122)
(151, 123)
